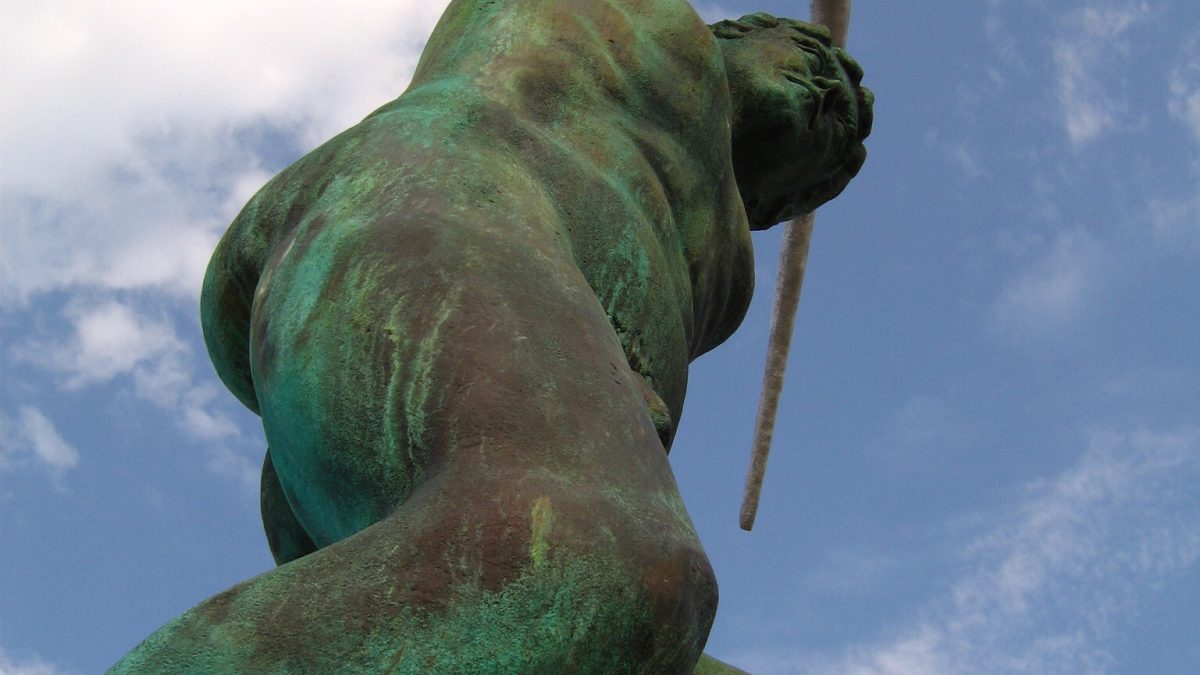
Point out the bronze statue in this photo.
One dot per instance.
(466, 323)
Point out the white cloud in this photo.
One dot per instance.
(1002, 40)
(198, 419)
(130, 127)
(32, 435)
(133, 133)
(109, 340)
(923, 423)
(1175, 225)
(173, 258)
(33, 666)
(1055, 578)
(958, 154)
(48, 444)
(1087, 52)
(93, 82)
(113, 340)
(1054, 290)
(921, 431)
(120, 237)
(847, 571)
(1184, 82)
(1175, 219)
(235, 466)
(961, 155)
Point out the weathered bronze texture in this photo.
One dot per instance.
(466, 323)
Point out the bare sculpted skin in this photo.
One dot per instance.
(466, 324)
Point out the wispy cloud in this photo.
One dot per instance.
(961, 155)
(1175, 219)
(1056, 577)
(48, 444)
(30, 435)
(924, 422)
(1002, 39)
(1183, 101)
(1086, 48)
(1175, 224)
(234, 466)
(847, 571)
(114, 342)
(1054, 289)
(32, 666)
(921, 431)
(133, 132)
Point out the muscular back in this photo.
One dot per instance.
(466, 324)
(600, 128)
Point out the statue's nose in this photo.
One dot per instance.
(866, 113)
(834, 99)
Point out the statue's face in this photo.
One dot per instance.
(799, 119)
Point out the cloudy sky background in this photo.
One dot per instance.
(989, 445)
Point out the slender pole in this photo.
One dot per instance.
(834, 15)
(793, 259)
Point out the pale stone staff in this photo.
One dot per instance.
(793, 258)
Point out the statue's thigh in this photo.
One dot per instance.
(454, 410)
(381, 360)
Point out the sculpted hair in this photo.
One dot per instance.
(810, 38)
(768, 202)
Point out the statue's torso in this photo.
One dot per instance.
(609, 120)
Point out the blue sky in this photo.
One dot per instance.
(989, 442)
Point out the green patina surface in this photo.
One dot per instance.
(529, 626)
(466, 323)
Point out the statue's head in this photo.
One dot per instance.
(799, 115)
